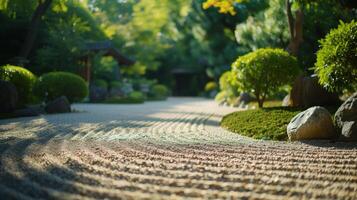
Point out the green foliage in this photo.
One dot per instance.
(22, 78)
(136, 95)
(115, 84)
(336, 63)
(228, 81)
(133, 98)
(266, 124)
(66, 29)
(210, 86)
(105, 67)
(229, 88)
(123, 100)
(314, 28)
(267, 28)
(227, 97)
(100, 83)
(159, 92)
(262, 72)
(56, 84)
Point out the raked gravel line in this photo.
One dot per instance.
(163, 150)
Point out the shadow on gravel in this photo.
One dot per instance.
(331, 144)
(19, 180)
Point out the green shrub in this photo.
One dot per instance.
(228, 81)
(116, 84)
(55, 84)
(136, 95)
(336, 64)
(210, 86)
(133, 98)
(229, 89)
(22, 78)
(159, 92)
(262, 72)
(100, 83)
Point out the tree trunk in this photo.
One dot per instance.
(260, 103)
(41, 9)
(260, 99)
(296, 29)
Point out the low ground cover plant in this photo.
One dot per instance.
(266, 123)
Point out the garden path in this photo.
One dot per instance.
(163, 150)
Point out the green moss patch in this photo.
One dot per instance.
(266, 123)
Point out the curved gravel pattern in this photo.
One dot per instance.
(163, 150)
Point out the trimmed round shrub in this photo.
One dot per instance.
(100, 83)
(23, 80)
(160, 91)
(336, 64)
(210, 86)
(56, 84)
(136, 95)
(264, 71)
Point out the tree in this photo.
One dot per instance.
(295, 23)
(65, 31)
(264, 29)
(41, 9)
(262, 72)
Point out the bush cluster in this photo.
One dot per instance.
(23, 80)
(55, 84)
(133, 98)
(159, 92)
(100, 83)
(228, 89)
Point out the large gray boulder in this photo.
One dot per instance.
(59, 105)
(8, 97)
(346, 119)
(313, 123)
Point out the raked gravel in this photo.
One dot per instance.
(173, 149)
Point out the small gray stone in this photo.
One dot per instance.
(313, 123)
(59, 105)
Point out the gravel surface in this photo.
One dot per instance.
(163, 150)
